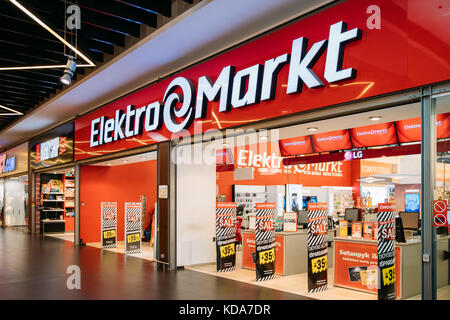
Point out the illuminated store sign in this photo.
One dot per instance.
(50, 149)
(7, 164)
(232, 89)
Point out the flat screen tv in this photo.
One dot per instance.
(412, 202)
(307, 199)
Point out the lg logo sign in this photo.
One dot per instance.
(351, 155)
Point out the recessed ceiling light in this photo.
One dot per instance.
(124, 160)
(375, 118)
(313, 129)
(109, 164)
(143, 158)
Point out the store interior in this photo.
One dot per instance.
(56, 199)
(127, 179)
(250, 170)
(14, 201)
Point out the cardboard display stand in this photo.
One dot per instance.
(317, 246)
(109, 224)
(386, 252)
(133, 215)
(226, 236)
(265, 241)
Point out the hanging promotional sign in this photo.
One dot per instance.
(317, 246)
(374, 135)
(386, 252)
(133, 214)
(108, 214)
(331, 141)
(265, 241)
(226, 236)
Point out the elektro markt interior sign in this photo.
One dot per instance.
(233, 90)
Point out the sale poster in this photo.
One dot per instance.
(386, 252)
(226, 236)
(265, 241)
(108, 224)
(317, 246)
(133, 215)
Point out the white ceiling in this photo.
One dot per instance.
(179, 43)
(148, 156)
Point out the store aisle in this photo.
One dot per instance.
(33, 267)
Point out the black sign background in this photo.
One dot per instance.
(65, 130)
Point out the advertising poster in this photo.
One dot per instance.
(290, 222)
(343, 228)
(265, 241)
(317, 246)
(386, 252)
(133, 214)
(109, 224)
(356, 230)
(226, 236)
(356, 265)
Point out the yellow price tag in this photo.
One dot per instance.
(319, 264)
(109, 234)
(227, 250)
(133, 237)
(267, 256)
(388, 275)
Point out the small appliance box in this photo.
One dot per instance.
(368, 230)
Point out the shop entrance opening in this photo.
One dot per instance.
(118, 204)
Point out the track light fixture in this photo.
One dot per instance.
(69, 71)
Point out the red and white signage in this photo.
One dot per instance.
(440, 213)
(331, 57)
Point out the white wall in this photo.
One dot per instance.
(196, 192)
(14, 202)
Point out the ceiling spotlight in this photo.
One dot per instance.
(109, 164)
(143, 158)
(69, 71)
(312, 129)
(375, 118)
(124, 161)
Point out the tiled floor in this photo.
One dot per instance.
(296, 284)
(35, 267)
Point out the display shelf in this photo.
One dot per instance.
(52, 210)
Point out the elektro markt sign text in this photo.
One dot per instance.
(229, 88)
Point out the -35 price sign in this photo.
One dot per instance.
(133, 217)
(319, 264)
(108, 213)
(386, 251)
(265, 241)
(267, 256)
(388, 275)
(227, 250)
(317, 247)
(225, 236)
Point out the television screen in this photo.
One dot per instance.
(412, 202)
(307, 199)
